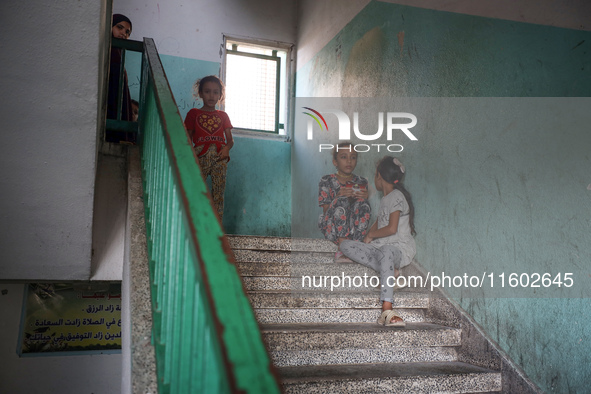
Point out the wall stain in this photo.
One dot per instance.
(578, 45)
(364, 66)
(338, 46)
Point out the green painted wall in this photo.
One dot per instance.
(404, 51)
(258, 185)
(514, 199)
(258, 191)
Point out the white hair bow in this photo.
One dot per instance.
(399, 164)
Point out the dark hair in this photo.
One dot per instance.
(393, 174)
(121, 18)
(198, 86)
(335, 150)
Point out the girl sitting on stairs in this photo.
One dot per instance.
(343, 198)
(389, 244)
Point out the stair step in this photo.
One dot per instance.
(407, 298)
(332, 315)
(312, 264)
(355, 335)
(318, 271)
(299, 284)
(239, 242)
(431, 377)
(301, 269)
(318, 344)
(297, 259)
(281, 256)
(360, 356)
(312, 285)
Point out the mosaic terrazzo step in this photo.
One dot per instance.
(319, 344)
(282, 256)
(336, 336)
(297, 264)
(331, 315)
(287, 299)
(361, 356)
(308, 283)
(240, 242)
(318, 270)
(316, 275)
(435, 377)
(339, 282)
(291, 258)
(299, 269)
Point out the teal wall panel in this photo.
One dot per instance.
(258, 188)
(181, 73)
(403, 51)
(513, 199)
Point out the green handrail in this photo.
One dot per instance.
(118, 124)
(205, 334)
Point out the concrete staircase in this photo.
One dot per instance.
(328, 341)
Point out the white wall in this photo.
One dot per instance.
(48, 120)
(110, 213)
(193, 29)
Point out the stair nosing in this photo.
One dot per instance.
(472, 369)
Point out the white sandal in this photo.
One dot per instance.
(386, 317)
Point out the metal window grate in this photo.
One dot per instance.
(252, 90)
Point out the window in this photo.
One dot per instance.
(255, 78)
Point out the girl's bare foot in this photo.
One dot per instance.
(396, 319)
(339, 257)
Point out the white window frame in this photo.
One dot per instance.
(285, 100)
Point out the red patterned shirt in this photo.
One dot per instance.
(208, 127)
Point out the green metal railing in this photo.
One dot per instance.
(118, 125)
(205, 334)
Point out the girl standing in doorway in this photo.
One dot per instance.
(211, 132)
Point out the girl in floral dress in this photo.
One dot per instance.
(343, 198)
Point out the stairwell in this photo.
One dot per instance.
(328, 341)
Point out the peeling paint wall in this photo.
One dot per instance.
(516, 199)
